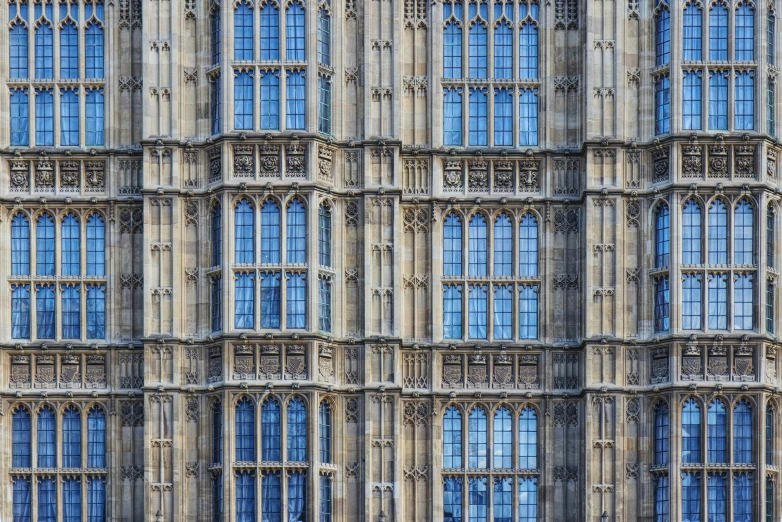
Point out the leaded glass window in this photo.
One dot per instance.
(717, 419)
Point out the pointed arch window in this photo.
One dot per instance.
(452, 438)
(20, 311)
(21, 436)
(718, 301)
(271, 503)
(325, 432)
(528, 500)
(528, 40)
(297, 497)
(718, 233)
(691, 431)
(294, 102)
(18, 41)
(742, 496)
(294, 35)
(717, 496)
(691, 233)
(744, 112)
(662, 104)
(718, 32)
(245, 496)
(770, 234)
(662, 304)
(217, 234)
(662, 236)
(297, 431)
(70, 245)
(503, 117)
(528, 312)
(324, 103)
(770, 435)
(771, 21)
(742, 433)
(245, 430)
(243, 31)
(245, 232)
(743, 302)
(478, 121)
(452, 255)
(691, 497)
(691, 101)
(20, 117)
(324, 235)
(452, 500)
(503, 246)
(662, 34)
(215, 30)
(296, 232)
(47, 438)
(717, 419)
(324, 303)
(270, 232)
(270, 32)
(477, 447)
(718, 100)
(71, 311)
(692, 308)
(20, 244)
(528, 246)
(96, 438)
(69, 41)
(69, 117)
(528, 117)
(503, 40)
(745, 32)
(71, 438)
(93, 41)
(96, 311)
(478, 13)
(244, 310)
(503, 437)
(296, 311)
(44, 41)
(270, 431)
(217, 433)
(452, 40)
(324, 32)
(478, 499)
(452, 116)
(528, 438)
(44, 245)
(71, 500)
(96, 245)
(503, 499)
(693, 32)
(661, 434)
(47, 500)
(270, 299)
(270, 100)
(478, 245)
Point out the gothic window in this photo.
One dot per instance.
(503, 117)
(217, 303)
(294, 36)
(717, 432)
(771, 22)
(243, 99)
(503, 436)
(245, 430)
(215, 93)
(244, 311)
(44, 41)
(691, 233)
(452, 256)
(718, 301)
(44, 117)
(452, 111)
(294, 99)
(770, 307)
(20, 311)
(745, 32)
(662, 236)
(528, 500)
(245, 232)
(71, 438)
(452, 500)
(20, 244)
(661, 434)
(96, 438)
(69, 41)
(770, 107)
(217, 433)
(296, 232)
(325, 432)
(297, 432)
(245, 496)
(528, 312)
(478, 14)
(270, 232)
(47, 500)
(71, 500)
(243, 31)
(270, 100)
(21, 436)
(693, 31)
(217, 498)
(44, 311)
(718, 233)
(770, 435)
(96, 499)
(296, 305)
(217, 234)
(47, 438)
(44, 245)
(215, 30)
(22, 508)
(691, 431)
(743, 302)
(742, 496)
(93, 41)
(662, 105)
(325, 498)
(503, 246)
(270, 299)
(69, 117)
(324, 304)
(18, 50)
(324, 235)
(661, 495)
(477, 447)
(528, 116)
(478, 121)
(692, 309)
(718, 100)
(477, 312)
(528, 246)
(691, 497)
(324, 32)
(96, 311)
(662, 34)
(297, 497)
(528, 439)
(452, 438)
(478, 499)
(503, 499)
(94, 116)
(770, 499)
(96, 245)
(452, 40)
(691, 101)
(20, 117)
(662, 304)
(503, 40)
(718, 32)
(270, 31)
(270, 431)
(742, 433)
(528, 40)
(452, 312)
(324, 104)
(271, 500)
(744, 117)
(478, 245)
(503, 314)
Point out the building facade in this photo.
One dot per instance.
(383, 260)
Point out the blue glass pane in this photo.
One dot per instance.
(270, 431)
(478, 122)
(93, 55)
(693, 32)
(294, 32)
(297, 431)
(96, 311)
(452, 438)
(44, 117)
(270, 101)
(294, 103)
(71, 438)
(44, 245)
(244, 301)
(296, 231)
(44, 308)
(69, 118)
(662, 35)
(96, 438)
(95, 117)
(243, 101)
(20, 118)
(245, 430)
(270, 32)
(296, 305)
(245, 231)
(96, 245)
(718, 32)
(20, 245)
(243, 32)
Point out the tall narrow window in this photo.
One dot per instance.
(325, 498)
(217, 433)
(44, 311)
(217, 234)
(771, 22)
(71, 312)
(693, 32)
(20, 311)
(44, 43)
(324, 438)
(718, 233)
(528, 500)
(745, 101)
(691, 101)
(217, 303)
(324, 235)
(270, 299)
(294, 31)
(217, 498)
(44, 117)
(452, 312)
(718, 100)
(452, 438)
(692, 239)
(71, 438)
(270, 431)
(661, 434)
(245, 430)
(770, 499)
(69, 117)
(20, 118)
(95, 134)
(297, 497)
(245, 231)
(96, 438)
(528, 117)
(270, 232)
(20, 244)
(245, 496)
(271, 501)
(243, 100)
(69, 42)
(47, 500)
(324, 303)
(270, 32)
(244, 299)
(503, 314)
(270, 100)
(528, 40)
(743, 302)
(661, 498)
(96, 245)
(742, 433)
(691, 497)
(324, 104)
(93, 42)
(20, 439)
(503, 246)
(215, 30)
(692, 302)
(528, 312)
(717, 435)
(324, 32)
(662, 304)
(662, 236)
(47, 438)
(71, 500)
(96, 311)
(297, 431)
(662, 34)
(478, 499)
(745, 32)
(294, 99)
(96, 499)
(662, 105)
(296, 232)
(503, 499)
(478, 121)
(503, 439)
(477, 312)
(478, 39)
(770, 308)
(503, 117)
(718, 301)
(22, 509)
(452, 500)
(18, 48)
(215, 90)
(691, 431)
(528, 246)
(452, 116)
(771, 107)
(718, 32)
(296, 297)
(528, 439)
(243, 31)
(742, 496)
(452, 255)
(478, 245)
(44, 245)
(503, 40)
(477, 446)
(452, 40)
(770, 435)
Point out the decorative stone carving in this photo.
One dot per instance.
(771, 164)
(244, 362)
(215, 370)
(565, 14)
(528, 372)
(503, 176)
(244, 161)
(415, 369)
(20, 175)
(70, 371)
(270, 367)
(44, 173)
(528, 175)
(416, 413)
(633, 214)
(95, 377)
(692, 161)
(566, 220)
(452, 175)
(718, 161)
(192, 409)
(295, 363)
(326, 363)
(20, 371)
(478, 172)
(351, 409)
(215, 163)
(351, 365)
(191, 213)
(325, 156)
(659, 372)
(95, 176)
(744, 161)
(633, 369)
(661, 169)
(295, 166)
(270, 161)
(452, 371)
(632, 410)
(565, 370)
(69, 175)
(132, 413)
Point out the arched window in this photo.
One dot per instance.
(452, 312)
(94, 115)
(718, 32)
(452, 255)
(272, 496)
(243, 31)
(528, 439)
(771, 18)
(71, 499)
(691, 233)
(217, 433)
(770, 245)
(745, 32)
(22, 508)
(47, 438)
(69, 41)
(691, 431)
(70, 244)
(244, 301)
(478, 13)
(452, 499)
(270, 431)
(245, 232)
(20, 311)
(718, 233)
(243, 100)
(296, 232)
(718, 434)
(503, 124)
(662, 104)
(742, 433)
(503, 246)
(528, 40)
(215, 30)
(691, 497)
(324, 32)
(528, 500)
(96, 438)
(270, 232)
(69, 117)
(478, 245)
(93, 40)
(325, 432)
(742, 496)
(769, 435)
(44, 44)
(478, 439)
(661, 498)
(96, 499)
(528, 246)
(744, 106)
(217, 234)
(662, 304)
(96, 245)
(324, 235)
(44, 245)
(245, 430)
(20, 117)
(662, 236)
(297, 431)
(44, 311)
(270, 32)
(71, 438)
(503, 436)
(662, 34)
(452, 438)
(718, 301)
(20, 244)
(270, 299)
(452, 116)
(503, 40)
(17, 52)
(743, 233)
(21, 433)
(693, 32)
(245, 496)
(452, 40)
(478, 500)
(294, 36)
(661, 434)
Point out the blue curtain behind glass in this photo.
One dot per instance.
(296, 232)
(297, 497)
(22, 510)
(297, 431)
(452, 438)
(70, 244)
(20, 436)
(270, 431)
(47, 445)
(47, 500)
(477, 447)
(245, 497)
(71, 500)
(96, 500)
(271, 497)
(245, 431)
(96, 245)
(44, 245)
(71, 438)
(96, 438)
(270, 232)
